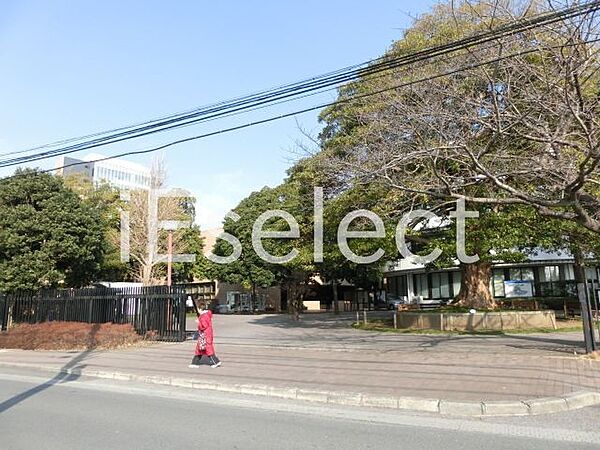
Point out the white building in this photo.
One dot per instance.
(542, 275)
(122, 174)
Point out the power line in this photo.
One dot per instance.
(312, 108)
(299, 89)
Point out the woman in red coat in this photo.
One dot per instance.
(205, 343)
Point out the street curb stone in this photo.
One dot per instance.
(379, 402)
(582, 399)
(576, 400)
(505, 408)
(419, 404)
(344, 398)
(547, 405)
(461, 408)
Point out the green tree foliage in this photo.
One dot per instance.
(521, 131)
(48, 235)
(249, 269)
(105, 200)
(296, 197)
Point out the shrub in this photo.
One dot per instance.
(69, 336)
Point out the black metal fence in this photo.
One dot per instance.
(155, 310)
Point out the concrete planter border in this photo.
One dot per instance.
(478, 321)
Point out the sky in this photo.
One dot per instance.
(71, 68)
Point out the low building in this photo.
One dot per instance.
(542, 275)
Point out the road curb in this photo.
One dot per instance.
(537, 406)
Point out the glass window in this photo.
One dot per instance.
(514, 274)
(551, 273)
(392, 286)
(521, 273)
(527, 274)
(456, 282)
(421, 285)
(498, 283)
(591, 273)
(444, 285)
(440, 287)
(435, 285)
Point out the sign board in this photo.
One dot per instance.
(518, 288)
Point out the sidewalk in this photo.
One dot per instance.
(315, 362)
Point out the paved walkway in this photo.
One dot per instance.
(323, 353)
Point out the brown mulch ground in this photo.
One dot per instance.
(69, 336)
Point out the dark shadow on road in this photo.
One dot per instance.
(548, 343)
(61, 377)
(324, 321)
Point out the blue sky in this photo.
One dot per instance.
(71, 68)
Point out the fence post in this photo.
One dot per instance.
(4, 312)
(182, 317)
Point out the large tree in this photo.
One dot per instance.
(514, 121)
(49, 237)
(511, 122)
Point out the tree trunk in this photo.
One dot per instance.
(146, 278)
(336, 306)
(295, 306)
(475, 286)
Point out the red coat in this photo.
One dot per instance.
(205, 326)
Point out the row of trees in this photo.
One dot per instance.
(510, 127)
(65, 232)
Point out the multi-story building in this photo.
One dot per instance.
(122, 174)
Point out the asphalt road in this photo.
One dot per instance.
(68, 413)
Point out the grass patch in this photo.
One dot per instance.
(69, 336)
(384, 326)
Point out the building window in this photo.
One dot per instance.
(439, 285)
(456, 276)
(591, 274)
(521, 273)
(421, 285)
(551, 273)
(498, 283)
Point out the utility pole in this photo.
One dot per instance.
(584, 302)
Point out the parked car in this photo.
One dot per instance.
(394, 302)
(221, 309)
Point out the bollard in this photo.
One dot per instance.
(365, 316)
(357, 317)
(395, 320)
